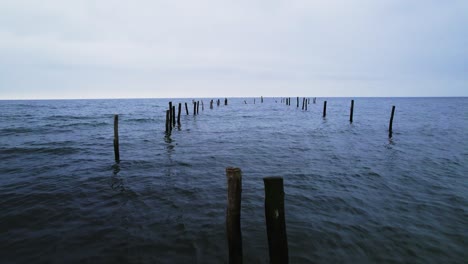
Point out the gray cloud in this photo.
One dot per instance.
(70, 49)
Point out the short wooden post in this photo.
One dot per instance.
(218, 102)
(275, 220)
(233, 214)
(168, 121)
(306, 105)
(324, 108)
(173, 116)
(194, 108)
(198, 107)
(211, 104)
(225, 101)
(202, 106)
(289, 101)
(261, 98)
(303, 103)
(170, 111)
(298, 102)
(186, 108)
(351, 112)
(178, 114)
(254, 100)
(116, 139)
(390, 126)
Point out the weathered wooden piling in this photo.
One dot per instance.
(351, 112)
(211, 104)
(261, 98)
(186, 108)
(198, 107)
(275, 220)
(173, 116)
(202, 106)
(289, 101)
(306, 106)
(218, 102)
(298, 102)
(116, 139)
(233, 214)
(324, 108)
(168, 121)
(170, 111)
(303, 103)
(254, 100)
(194, 108)
(390, 126)
(225, 101)
(178, 114)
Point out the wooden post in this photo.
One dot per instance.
(303, 103)
(116, 139)
(211, 104)
(178, 114)
(202, 106)
(198, 107)
(390, 126)
(173, 116)
(289, 101)
(218, 102)
(324, 108)
(225, 101)
(308, 100)
(254, 100)
(275, 220)
(298, 102)
(194, 108)
(186, 108)
(351, 113)
(261, 98)
(233, 213)
(168, 121)
(170, 111)
(306, 105)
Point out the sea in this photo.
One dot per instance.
(351, 193)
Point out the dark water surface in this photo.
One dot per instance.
(351, 194)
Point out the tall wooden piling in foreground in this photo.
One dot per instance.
(178, 114)
(351, 112)
(186, 108)
(275, 220)
(324, 108)
(390, 126)
(233, 213)
(116, 139)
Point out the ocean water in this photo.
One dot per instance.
(351, 194)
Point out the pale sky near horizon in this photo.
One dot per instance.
(209, 48)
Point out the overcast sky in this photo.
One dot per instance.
(204, 48)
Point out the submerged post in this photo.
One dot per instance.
(116, 138)
(351, 113)
(390, 126)
(233, 213)
(178, 114)
(324, 108)
(275, 220)
(186, 108)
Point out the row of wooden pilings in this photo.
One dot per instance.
(171, 116)
(306, 101)
(274, 217)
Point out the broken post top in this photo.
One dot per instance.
(232, 170)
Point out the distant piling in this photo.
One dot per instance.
(324, 109)
(261, 98)
(170, 111)
(275, 220)
(390, 126)
(233, 214)
(168, 121)
(178, 114)
(116, 139)
(173, 116)
(218, 102)
(351, 112)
